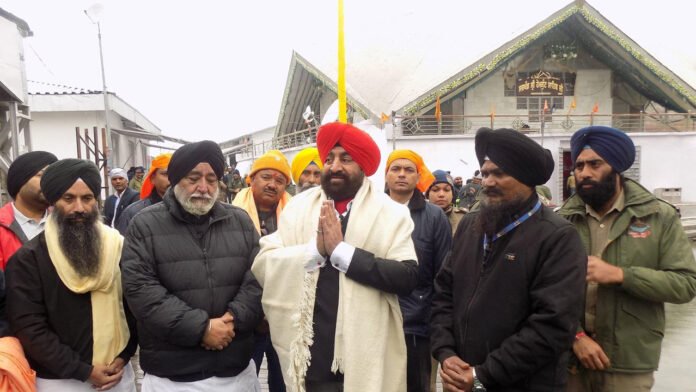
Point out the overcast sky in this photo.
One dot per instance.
(217, 69)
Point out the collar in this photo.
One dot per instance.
(22, 219)
(618, 205)
(417, 201)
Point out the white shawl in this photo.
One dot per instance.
(369, 346)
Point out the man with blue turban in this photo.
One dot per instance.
(639, 258)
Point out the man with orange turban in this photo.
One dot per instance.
(306, 169)
(154, 186)
(264, 200)
(407, 177)
(333, 271)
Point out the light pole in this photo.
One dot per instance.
(94, 13)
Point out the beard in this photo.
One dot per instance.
(493, 217)
(347, 190)
(78, 235)
(196, 203)
(601, 192)
(306, 186)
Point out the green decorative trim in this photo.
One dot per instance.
(531, 38)
(642, 58)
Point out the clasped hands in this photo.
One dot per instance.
(329, 233)
(220, 332)
(105, 377)
(457, 375)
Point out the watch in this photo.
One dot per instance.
(478, 386)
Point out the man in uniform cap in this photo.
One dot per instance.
(639, 258)
(264, 200)
(441, 193)
(64, 297)
(506, 302)
(24, 217)
(407, 177)
(332, 273)
(123, 196)
(186, 276)
(306, 169)
(155, 185)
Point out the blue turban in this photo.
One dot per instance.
(613, 145)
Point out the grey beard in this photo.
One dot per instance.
(306, 186)
(195, 208)
(492, 217)
(80, 241)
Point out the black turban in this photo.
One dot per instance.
(613, 145)
(25, 167)
(190, 155)
(60, 176)
(516, 154)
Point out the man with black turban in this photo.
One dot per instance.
(24, 217)
(186, 274)
(506, 302)
(639, 258)
(64, 296)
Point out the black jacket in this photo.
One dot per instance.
(178, 272)
(432, 237)
(53, 323)
(129, 197)
(514, 317)
(127, 215)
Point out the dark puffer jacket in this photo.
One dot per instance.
(432, 237)
(178, 272)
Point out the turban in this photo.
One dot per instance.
(356, 142)
(516, 154)
(160, 162)
(613, 145)
(302, 160)
(190, 155)
(426, 177)
(118, 172)
(272, 159)
(25, 167)
(60, 176)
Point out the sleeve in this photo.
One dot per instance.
(674, 279)
(158, 310)
(443, 241)
(391, 276)
(28, 319)
(246, 305)
(556, 307)
(442, 343)
(132, 345)
(4, 325)
(124, 219)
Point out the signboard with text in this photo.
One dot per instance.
(540, 84)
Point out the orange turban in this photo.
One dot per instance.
(426, 177)
(272, 159)
(356, 142)
(160, 162)
(302, 160)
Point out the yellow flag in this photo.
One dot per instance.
(384, 117)
(438, 111)
(573, 104)
(595, 108)
(342, 105)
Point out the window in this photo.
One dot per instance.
(535, 107)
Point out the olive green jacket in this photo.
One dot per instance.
(648, 242)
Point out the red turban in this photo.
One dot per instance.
(356, 142)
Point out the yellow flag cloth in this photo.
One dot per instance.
(426, 177)
(110, 332)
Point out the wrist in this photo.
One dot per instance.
(619, 275)
(580, 335)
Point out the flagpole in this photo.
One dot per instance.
(342, 105)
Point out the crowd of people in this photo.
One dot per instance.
(344, 286)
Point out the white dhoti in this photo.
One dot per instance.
(127, 383)
(246, 381)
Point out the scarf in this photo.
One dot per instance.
(15, 373)
(378, 225)
(245, 201)
(110, 332)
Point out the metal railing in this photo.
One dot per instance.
(552, 123)
(291, 140)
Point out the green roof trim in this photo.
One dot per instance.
(525, 41)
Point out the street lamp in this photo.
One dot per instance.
(94, 14)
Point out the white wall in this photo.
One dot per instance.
(12, 71)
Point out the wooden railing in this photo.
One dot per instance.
(552, 123)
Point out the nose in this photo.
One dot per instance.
(334, 165)
(488, 182)
(79, 206)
